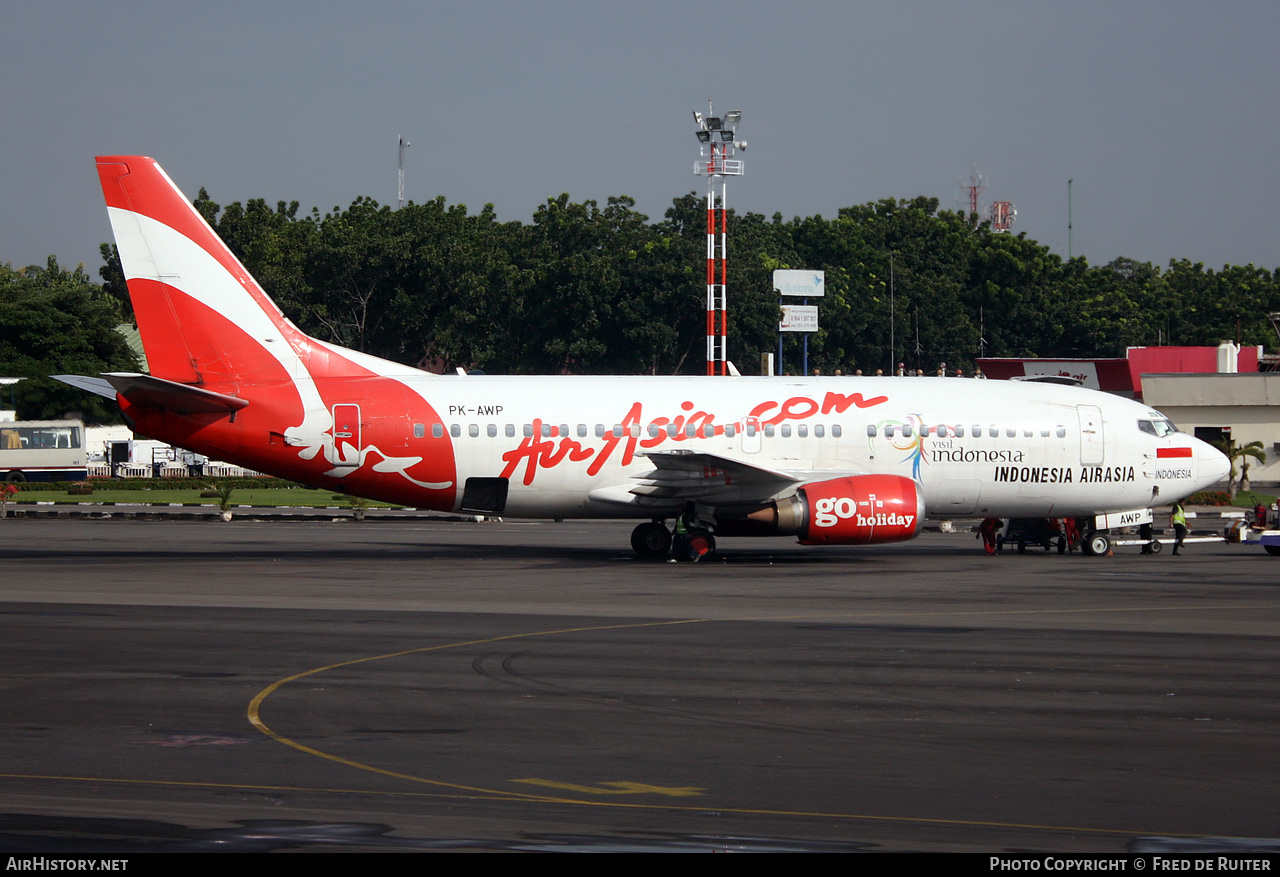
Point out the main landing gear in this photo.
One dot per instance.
(653, 541)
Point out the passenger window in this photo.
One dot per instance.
(456, 430)
(474, 430)
(1061, 432)
(1044, 433)
(437, 430)
(819, 430)
(672, 432)
(492, 430)
(960, 430)
(690, 431)
(977, 431)
(419, 430)
(708, 430)
(888, 430)
(993, 432)
(653, 430)
(729, 430)
(511, 430)
(836, 430)
(768, 430)
(1027, 432)
(802, 430)
(617, 430)
(528, 430)
(786, 430)
(871, 430)
(582, 430)
(599, 430)
(906, 430)
(546, 430)
(564, 430)
(1011, 432)
(751, 430)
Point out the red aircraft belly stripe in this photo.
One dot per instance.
(1161, 453)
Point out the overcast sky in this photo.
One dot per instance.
(1164, 113)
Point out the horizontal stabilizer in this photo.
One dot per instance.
(171, 396)
(92, 385)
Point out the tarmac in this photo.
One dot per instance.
(297, 682)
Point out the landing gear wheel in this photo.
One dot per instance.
(16, 477)
(1155, 546)
(1273, 550)
(1062, 544)
(1097, 544)
(1022, 547)
(651, 541)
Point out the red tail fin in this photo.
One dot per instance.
(203, 318)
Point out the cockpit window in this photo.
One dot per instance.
(1159, 428)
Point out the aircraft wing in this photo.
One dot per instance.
(690, 476)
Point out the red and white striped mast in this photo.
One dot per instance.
(716, 136)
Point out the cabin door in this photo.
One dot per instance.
(346, 435)
(1092, 437)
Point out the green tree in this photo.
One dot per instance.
(593, 289)
(57, 321)
(1241, 453)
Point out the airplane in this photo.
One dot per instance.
(829, 460)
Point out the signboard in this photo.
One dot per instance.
(1085, 372)
(805, 283)
(799, 318)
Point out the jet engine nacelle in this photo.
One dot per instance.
(861, 510)
(855, 510)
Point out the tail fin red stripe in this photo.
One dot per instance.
(138, 184)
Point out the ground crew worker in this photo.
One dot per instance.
(1072, 534)
(1178, 520)
(987, 533)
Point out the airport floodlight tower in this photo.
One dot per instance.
(1002, 215)
(716, 139)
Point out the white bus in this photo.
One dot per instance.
(42, 450)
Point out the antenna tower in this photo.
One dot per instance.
(404, 144)
(1002, 215)
(976, 186)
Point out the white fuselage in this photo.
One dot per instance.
(573, 446)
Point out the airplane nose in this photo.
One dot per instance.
(1212, 465)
